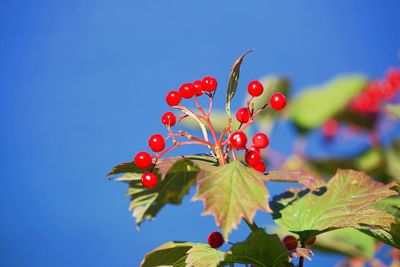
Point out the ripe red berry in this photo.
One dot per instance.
(311, 241)
(260, 167)
(260, 140)
(187, 90)
(143, 160)
(198, 87)
(253, 148)
(238, 140)
(209, 83)
(149, 179)
(290, 242)
(156, 142)
(168, 119)
(330, 128)
(215, 240)
(278, 101)
(255, 88)
(243, 115)
(252, 157)
(173, 98)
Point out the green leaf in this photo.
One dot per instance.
(346, 241)
(232, 192)
(168, 254)
(393, 110)
(392, 159)
(260, 249)
(347, 201)
(146, 203)
(317, 104)
(201, 255)
(233, 82)
(299, 176)
(389, 236)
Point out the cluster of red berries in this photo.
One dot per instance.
(377, 92)
(189, 90)
(236, 140)
(290, 242)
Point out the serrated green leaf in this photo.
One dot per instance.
(317, 104)
(347, 201)
(233, 82)
(232, 192)
(393, 110)
(146, 203)
(346, 241)
(169, 254)
(202, 255)
(260, 249)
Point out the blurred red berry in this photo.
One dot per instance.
(311, 241)
(143, 160)
(187, 90)
(330, 128)
(290, 242)
(149, 179)
(252, 157)
(260, 140)
(198, 87)
(260, 167)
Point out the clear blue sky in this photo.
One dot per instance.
(82, 86)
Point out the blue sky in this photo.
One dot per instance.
(82, 87)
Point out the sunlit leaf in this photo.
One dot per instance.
(232, 192)
(146, 203)
(347, 201)
(346, 241)
(317, 104)
(302, 177)
(233, 82)
(167, 255)
(392, 159)
(393, 110)
(201, 255)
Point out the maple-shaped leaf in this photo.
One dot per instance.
(347, 201)
(169, 254)
(261, 249)
(232, 192)
(202, 255)
(146, 203)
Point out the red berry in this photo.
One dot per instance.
(311, 241)
(198, 87)
(393, 78)
(173, 98)
(149, 179)
(215, 240)
(238, 140)
(168, 119)
(260, 140)
(253, 148)
(255, 88)
(187, 90)
(209, 83)
(252, 158)
(243, 115)
(290, 242)
(156, 142)
(143, 160)
(260, 167)
(330, 128)
(278, 101)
